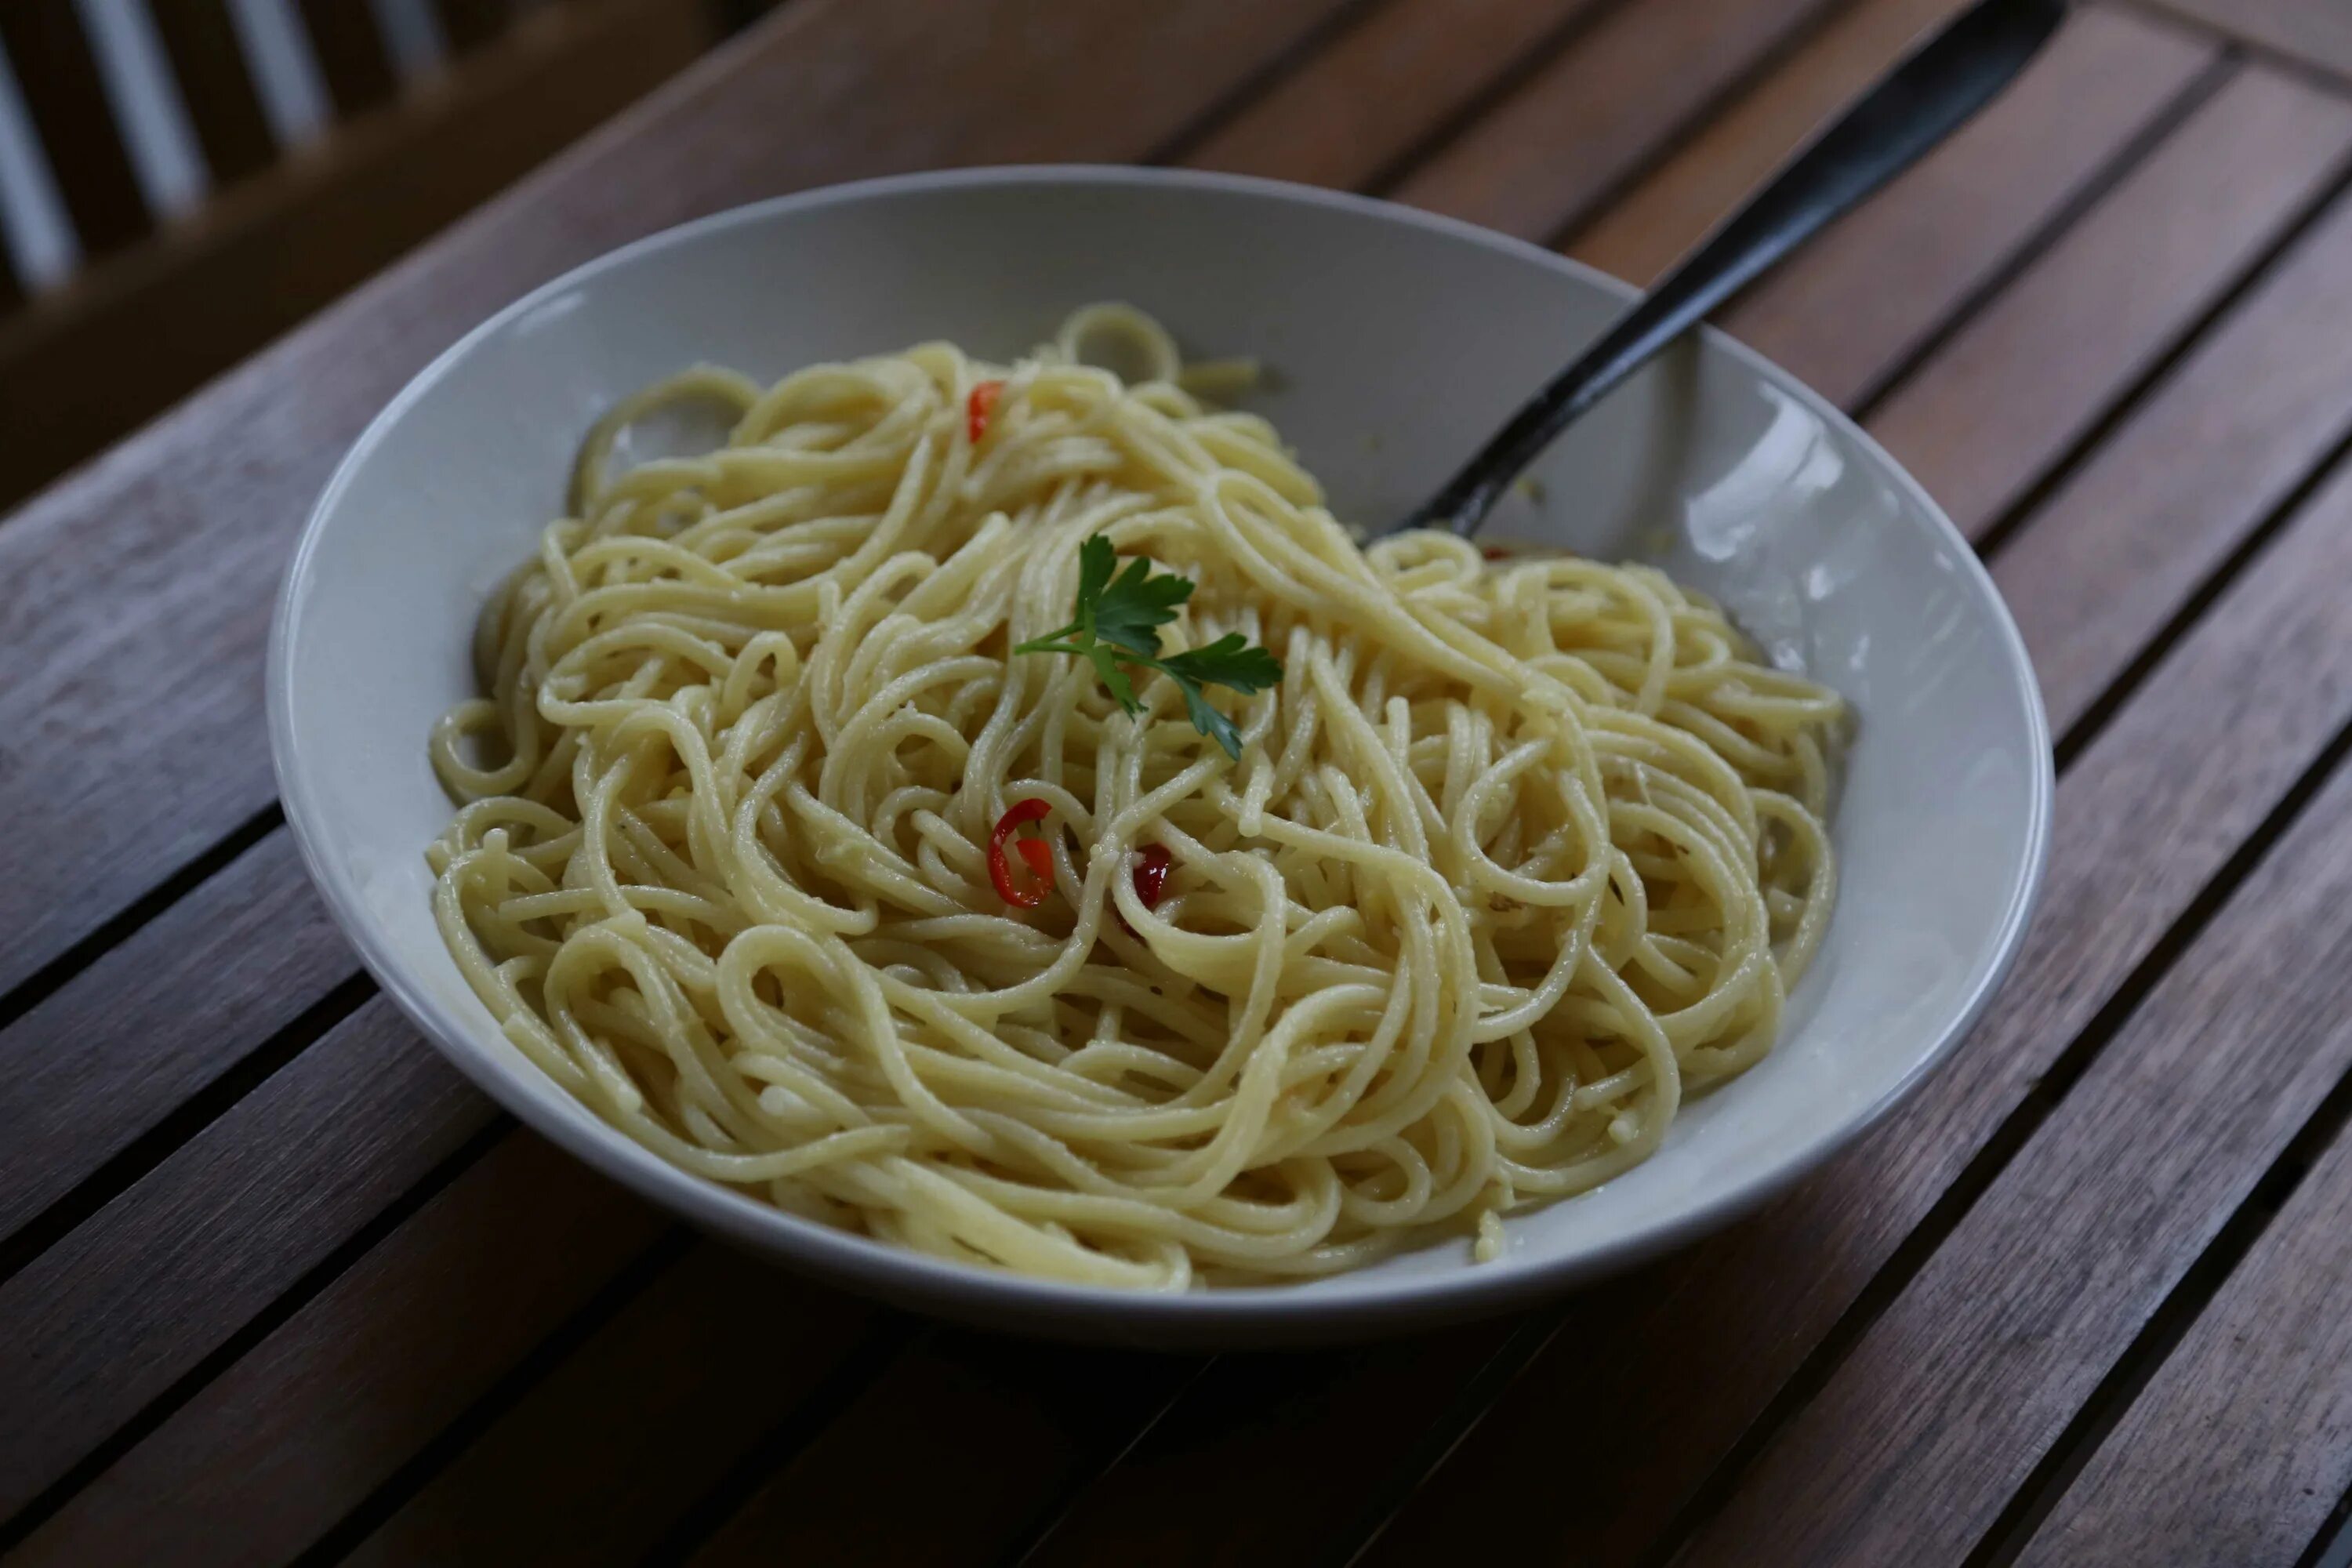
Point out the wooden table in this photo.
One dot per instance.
(276, 1285)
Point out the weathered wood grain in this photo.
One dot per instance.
(1371, 95)
(1692, 191)
(2149, 812)
(118, 764)
(2022, 382)
(1549, 154)
(1864, 298)
(606, 1454)
(2167, 497)
(113, 1315)
(153, 1021)
(2318, 32)
(994, 1427)
(266, 1457)
(1939, 1413)
(2241, 1442)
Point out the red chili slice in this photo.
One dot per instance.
(1152, 873)
(1035, 851)
(1495, 552)
(1151, 863)
(979, 406)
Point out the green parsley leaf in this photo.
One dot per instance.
(1231, 660)
(1130, 610)
(1096, 562)
(1118, 619)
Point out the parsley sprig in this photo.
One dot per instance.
(1119, 617)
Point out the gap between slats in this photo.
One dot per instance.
(1804, 34)
(2267, 29)
(2332, 1546)
(1516, 74)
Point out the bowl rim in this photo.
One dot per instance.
(1228, 1314)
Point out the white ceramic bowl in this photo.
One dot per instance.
(1398, 341)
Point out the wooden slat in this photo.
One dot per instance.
(1368, 97)
(2319, 32)
(2241, 1442)
(994, 1427)
(605, 1455)
(2176, 489)
(196, 299)
(1687, 196)
(116, 767)
(114, 1313)
(217, 87)
(2114, 295)
(2044, 1283)
(1580, 128)
(264, 1459)
(57, 75)
(1864, 297)
(2192, 765)
(130, 1038)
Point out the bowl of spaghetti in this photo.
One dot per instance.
(886, 722)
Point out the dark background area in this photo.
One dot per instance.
(190, 183)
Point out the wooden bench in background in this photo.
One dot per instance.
(183, 180)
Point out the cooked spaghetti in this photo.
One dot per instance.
(1514, 856)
